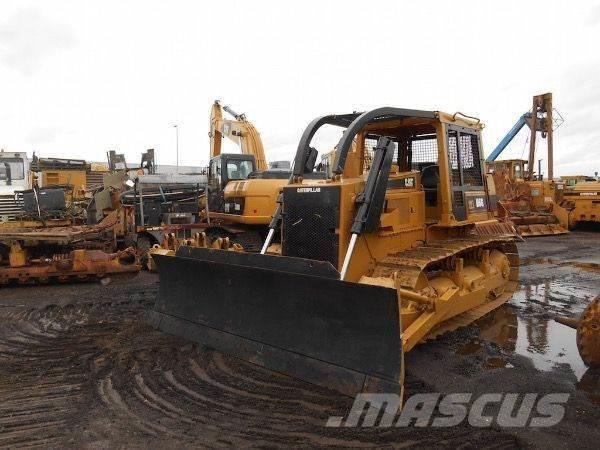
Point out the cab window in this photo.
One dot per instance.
(518, 171)
(17, 168)
(239, 170)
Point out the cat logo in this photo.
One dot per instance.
(308, 190)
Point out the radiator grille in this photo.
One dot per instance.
(309, 224)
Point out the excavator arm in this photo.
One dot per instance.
(239, 130)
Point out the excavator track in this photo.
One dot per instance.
(410, 265)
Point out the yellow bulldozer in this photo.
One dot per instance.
(370, 263)
(581, 198)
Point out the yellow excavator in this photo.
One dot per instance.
(242, 191)
(370, 264)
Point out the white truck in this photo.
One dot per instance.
(14, 178)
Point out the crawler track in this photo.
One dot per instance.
(410, 265)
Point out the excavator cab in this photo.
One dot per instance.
(222, 169)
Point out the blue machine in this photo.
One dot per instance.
(509, 137)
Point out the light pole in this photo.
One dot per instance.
(177, 145)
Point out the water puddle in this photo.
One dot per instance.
(555, 297)
(499, 327)
(548, 343)
(589, 264)
(533, 333)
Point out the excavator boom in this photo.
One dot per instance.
(239, 130)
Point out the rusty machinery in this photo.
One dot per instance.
(531, 202)
(55, 243)
(369, 263)
(63, 253)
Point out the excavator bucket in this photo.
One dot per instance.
(291, 315)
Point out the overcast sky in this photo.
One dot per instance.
(79, 78)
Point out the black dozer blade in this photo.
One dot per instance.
(291, 315)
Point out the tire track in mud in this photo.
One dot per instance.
(94, 373)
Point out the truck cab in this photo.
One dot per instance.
(14, 178)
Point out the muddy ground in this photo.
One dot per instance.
(79, 368)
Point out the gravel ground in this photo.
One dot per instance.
(79, 368)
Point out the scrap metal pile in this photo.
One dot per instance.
(63, 253)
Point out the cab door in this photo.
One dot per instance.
(466, 171)
(215, 188)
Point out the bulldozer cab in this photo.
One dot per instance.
(444, 149)
(435, 176)
(223, 169)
